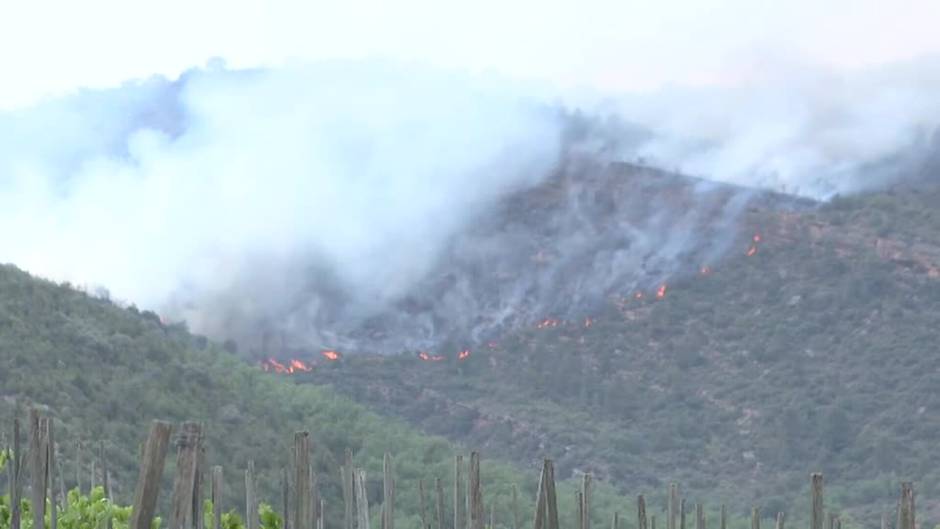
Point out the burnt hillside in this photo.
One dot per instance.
(810, 344)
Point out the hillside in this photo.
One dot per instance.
(104, 372)
(810, 345)
(814, 348)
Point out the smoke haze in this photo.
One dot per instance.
(371, 205)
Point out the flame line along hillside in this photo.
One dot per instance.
(295, 365)
(819, 349)
(560, 249)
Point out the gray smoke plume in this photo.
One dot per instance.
(378, 207)
(805, 131)
(246, 188)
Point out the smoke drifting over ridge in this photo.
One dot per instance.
(802, 130)
(379, 207)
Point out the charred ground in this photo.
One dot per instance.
(816, 352)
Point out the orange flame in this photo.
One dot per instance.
(753, 249)
(332, 356)
(705, 270)
(298, 365)
(273, 365)
(661, 291)
(292, 366)
(547, 323)
(429, 357)
(463, 355)
(588, 322)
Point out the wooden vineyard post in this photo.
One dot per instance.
(515, 507)
(615, 521)
(682, 513)
(303, 494)
(906, 512)
(51, 472)
(723, 517)
(586, 502)
(423, 505)
(816, 493)
(251, 503)
(151, 472)
(640, 512)
(199, 518)
(699, 516)
(475, 492)
(780, 521)
(673, 505)
(551, 500)
(320, 513)
(105, 479)
(63, 492)
(755, 518)
(388, 493)
(539, 522)
(37, 467)
(215, 493)
(579, 502)
(184, 485)
(362, 500)
(441, 514)
(285, 502)
(348, 491)
(458, 465)
(317, 512)
(884, 521)
(16, 476)
(78, 466)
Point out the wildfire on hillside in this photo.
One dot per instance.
(661, 291)
(754, 242)
(295, 366)
(292, 366)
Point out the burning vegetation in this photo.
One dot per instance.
(293, 365)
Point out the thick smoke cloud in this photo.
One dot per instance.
(801, 130)
(383, 207)
(246, 187)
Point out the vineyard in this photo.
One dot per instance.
(302, 506)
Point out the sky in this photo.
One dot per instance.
(50, 47)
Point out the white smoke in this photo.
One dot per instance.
(195, 188)
(351, 203)
(801, 130)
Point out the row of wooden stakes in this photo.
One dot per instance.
(302, 507)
